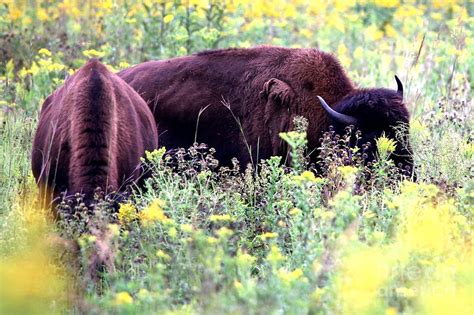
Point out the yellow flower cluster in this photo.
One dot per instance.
(288, 277)
(385, 146)
(220, 218)
(153, 213)
(268, 235)
(123, 298)
(275, 256)
(244, 260)
(31, 276)
(161, 254)
(295, 212)
(307, 177)
(127, 213)
(224, 232)
(431, 237)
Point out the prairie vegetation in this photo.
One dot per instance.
(349, 239)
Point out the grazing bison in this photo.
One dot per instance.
(91, 133)
(239, 100)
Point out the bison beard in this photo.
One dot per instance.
(91, 133)
(264, 89)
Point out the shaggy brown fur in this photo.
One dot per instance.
(265, 88)
(91, 133)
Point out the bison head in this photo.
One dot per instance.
(375, 112)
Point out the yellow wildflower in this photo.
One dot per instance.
(317, 267)
(288, 277)
(168, 18)
(42, 14)
(318, 294)
(369, 214)
(91, 239)
(55, 67)
(337, 22)
(172, 232)
(268, 235)
(245, 260)
(124, 64)
(114, 229)
(327, 215)
(14, 13)
(187, 228)
(387, 3)
(378, 236)
(295, 212)
(342, 54)
(385, 146)
(363, 273)
(293, 138)
(358, 53)
(224, 232)
(238, 285)
(391, 31)
(161, 254)
(123, 298)
(275, 256)
(436, 16)
(127, 213)
(220, 218)
(92, 53)
(306, 33)
(106, 5)
(347, 171)
(44, 52)
(143, 294)
(154, 213)
(76, 27)
(373, 33)
(211, 240)
(308, 176)
(155, 155)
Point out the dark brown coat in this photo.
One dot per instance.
(264, 89)
(91, 133)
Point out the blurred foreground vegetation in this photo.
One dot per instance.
(271, 240)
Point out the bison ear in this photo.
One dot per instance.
(278, 92)
(277, 97)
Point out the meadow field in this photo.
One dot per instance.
(197, 239)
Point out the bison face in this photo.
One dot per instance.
(375, 112)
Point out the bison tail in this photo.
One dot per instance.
(93, 130)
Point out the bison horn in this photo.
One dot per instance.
(341, 118)
(399, 86)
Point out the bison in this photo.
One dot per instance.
(91, 133)
(239, 100)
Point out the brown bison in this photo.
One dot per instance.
(91, 133)
(239, 100)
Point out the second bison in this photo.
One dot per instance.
(239, 100)
(91, 133)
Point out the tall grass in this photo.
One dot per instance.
(16, 134)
